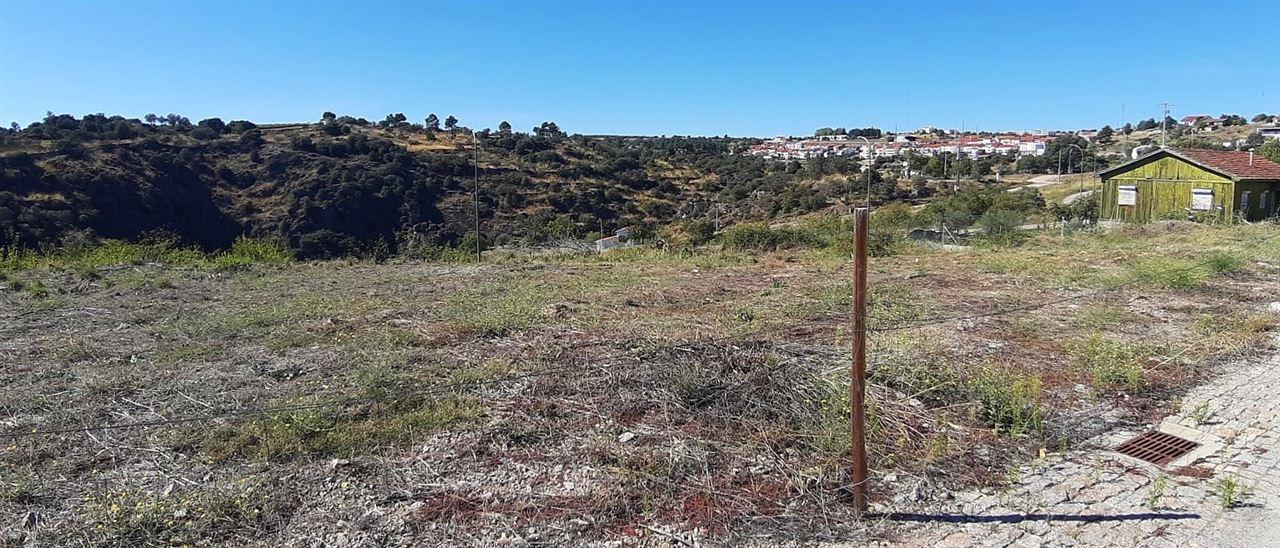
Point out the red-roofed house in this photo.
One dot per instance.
(1168, 183)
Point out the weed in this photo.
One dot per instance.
(1201, 412)
(498, 309)
(1231, 492)
(1101, 316)
(38, 290)
(1234, 332)
(910, 365)
(1012, 475)
(1168, 273)
(824, 301)
(1157, 490)
(34, 288)
(76, 351)
(1111, 364)
(485, 372)
(134, 517)
(330, 431)
(18, 484)
(892, 304)
(143, 280)
(1009, 402)
(939, 446)
(694, 385)
(250, 251)
(84, 258)
(190, 353)
(1223, 262)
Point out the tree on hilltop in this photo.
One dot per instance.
(1271, 150)
(1105, 135)
(214, 124)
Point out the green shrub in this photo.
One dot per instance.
(1009, 402)
(896, 216)
(824, 232)
(1168, 273)
(136, 517)
(1223, 262)
(1111, 364)
(1001, 224)
(760, 237)
(250, 251)
(699, 231)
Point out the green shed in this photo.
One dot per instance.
(1170, 183)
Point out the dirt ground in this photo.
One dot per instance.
(637, 398)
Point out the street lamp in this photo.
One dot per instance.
(1081, 170)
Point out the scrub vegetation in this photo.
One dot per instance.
(581, 397)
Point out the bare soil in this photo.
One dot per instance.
(637, 398)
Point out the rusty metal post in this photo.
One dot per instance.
(858, 373)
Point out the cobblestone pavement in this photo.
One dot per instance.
(1100, 498)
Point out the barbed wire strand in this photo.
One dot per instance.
(441, 389)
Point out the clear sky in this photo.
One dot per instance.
(645, 68)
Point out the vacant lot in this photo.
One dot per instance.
(574, 399)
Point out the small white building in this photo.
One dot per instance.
(620, 238)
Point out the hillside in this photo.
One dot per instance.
(346, 187)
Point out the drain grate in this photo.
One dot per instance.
(1157, 447)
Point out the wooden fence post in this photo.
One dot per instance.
(858, 373)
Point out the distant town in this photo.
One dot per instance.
(931, 141)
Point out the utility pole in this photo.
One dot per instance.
(475, 190)
(1124, 121)
(871, 164)
(1163, 129)
(858, 371)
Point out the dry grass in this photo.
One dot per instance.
(585, 398)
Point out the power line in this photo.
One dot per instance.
(440, 389)
(433, 390)
(342, 402)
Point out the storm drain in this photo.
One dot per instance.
(1157, 447)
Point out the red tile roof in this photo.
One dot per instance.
(1234, 163)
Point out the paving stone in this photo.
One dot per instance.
(1100, 484)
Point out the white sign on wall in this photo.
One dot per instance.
(1128, 195)
(1202, 199)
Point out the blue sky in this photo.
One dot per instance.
(705, 68)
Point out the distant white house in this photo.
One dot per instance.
(1270, 132)
(620, 238)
